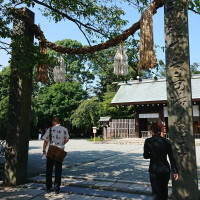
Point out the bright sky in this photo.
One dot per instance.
(68, 30)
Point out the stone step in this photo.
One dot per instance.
(112, 185)
(81, 193)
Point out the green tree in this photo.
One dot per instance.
(4, 82)
(115, 111)
(3, 117)
(60, 99)
(161, 71)
(4, 103)
(97, 20)
(4, 100)
(77, 67)
(194, 68)
(86, 116)
(102, 64)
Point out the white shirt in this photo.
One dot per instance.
(59, 134)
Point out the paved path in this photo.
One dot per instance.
(95, 160)
(70, 193)
(110, 161)
(90, 172)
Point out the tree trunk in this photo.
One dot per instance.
(17, 138)
(180, 115)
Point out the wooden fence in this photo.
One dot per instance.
(121, 128)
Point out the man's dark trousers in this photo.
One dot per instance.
(159, 183)
(58, 171)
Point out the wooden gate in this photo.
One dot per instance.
(123, 128)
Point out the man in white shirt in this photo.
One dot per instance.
(59, 137)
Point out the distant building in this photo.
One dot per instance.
(149, 100)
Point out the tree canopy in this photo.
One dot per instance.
(87, 115)
(100, 22)
(77, 67)
(97, 20)
(59, 100)
(4, 95)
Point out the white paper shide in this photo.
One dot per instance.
(59, 71)
(121, 61)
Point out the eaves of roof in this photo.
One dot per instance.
(149, 91)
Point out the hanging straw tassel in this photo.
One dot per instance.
(121, 61)
(42, 75)
(147, 53)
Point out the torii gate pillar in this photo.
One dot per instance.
(180, 115)
(17, 138)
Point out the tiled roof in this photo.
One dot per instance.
(149, 90)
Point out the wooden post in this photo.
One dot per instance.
(105, 132)
(127, 128)
(161, 120)
(137, 134)
(180, 116)
(17, 138)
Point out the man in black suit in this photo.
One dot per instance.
(157, 148)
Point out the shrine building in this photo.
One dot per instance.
(149, 100)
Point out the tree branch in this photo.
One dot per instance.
(83, 34)
(102, 65)
(196, 12)
(17, 4)
(5, 49)
(187, 4)
(68, 17)
(5, 46)
(84, 50)
(4, 43)
(135, 5)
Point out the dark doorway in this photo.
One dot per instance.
(142, 125)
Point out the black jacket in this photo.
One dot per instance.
(157, 148)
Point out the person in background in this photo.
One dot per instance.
(59, 137)
(156, 149)
(39, 134)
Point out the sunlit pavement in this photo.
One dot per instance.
(93, 160)
(91, 171)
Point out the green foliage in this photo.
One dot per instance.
(109, 109)
(5, 19)
(132, 46)
(161, 72)
(76, 65)
(4, 100)
(34, 119)
(4, 83)
(4, 103)
(60, 99)
(36, 86)
(162, 69)
(96, 18)
(193, 5)
(23, 53)
(96, 139)
(102, 64)
(114, 111)
(194, 68)
(87, 115)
